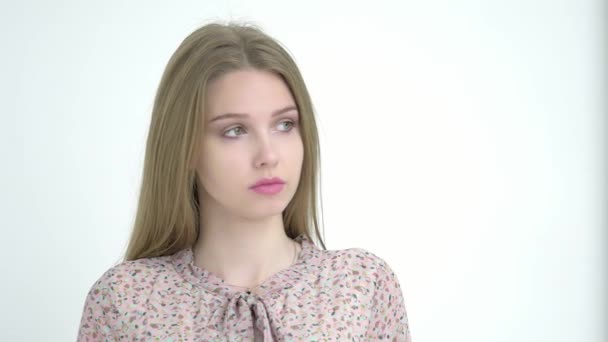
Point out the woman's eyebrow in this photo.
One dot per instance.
(244, 115)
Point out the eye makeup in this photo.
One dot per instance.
(290, 122)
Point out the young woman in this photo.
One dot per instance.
(222, 248)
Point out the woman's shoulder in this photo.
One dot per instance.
(358, 262)
(142, 266)
(356, 257)
(120, 291)
(129, 275)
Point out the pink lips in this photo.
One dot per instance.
(268, 186)
(268, 189)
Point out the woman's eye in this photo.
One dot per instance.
(230, 130)
(289, 122)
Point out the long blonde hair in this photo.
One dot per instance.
(167, 215)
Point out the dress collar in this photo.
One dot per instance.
(183, 261)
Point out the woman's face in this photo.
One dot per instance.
(263, 141)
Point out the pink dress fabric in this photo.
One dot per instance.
(326, 295)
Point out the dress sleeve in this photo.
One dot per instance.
(99, 313)
(388, 319)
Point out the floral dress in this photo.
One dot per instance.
(326, 295)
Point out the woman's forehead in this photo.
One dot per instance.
(246, 94)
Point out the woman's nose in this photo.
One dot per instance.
(266, 153)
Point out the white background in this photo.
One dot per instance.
(462, 141)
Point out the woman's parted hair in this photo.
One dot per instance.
(167, 214)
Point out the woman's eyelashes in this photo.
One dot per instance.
(290, 123)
